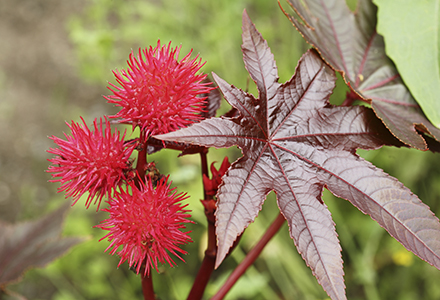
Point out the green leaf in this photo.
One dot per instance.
(411, 32)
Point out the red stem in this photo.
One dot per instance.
(250, 257)
(208, 262)
(205, 171)
(351, 97)
(147, 287)
(147, 280)
(207, 266)
(142, 158)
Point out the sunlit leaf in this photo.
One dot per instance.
(295, 143)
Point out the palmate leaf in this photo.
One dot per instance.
(350, 43)
(295, 143)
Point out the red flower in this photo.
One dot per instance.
(211, 185)
(158, 92)
(146, 222)
(93, 161)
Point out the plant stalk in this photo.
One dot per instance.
(250, 257)
(205, 169)
(142, 158)
(147, 287)
(207, 266)
(147, 280)
(208, 262)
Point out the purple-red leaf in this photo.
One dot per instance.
(32, 244)
(295, 143)
(212, 101)
(259, 60)
(350, 44)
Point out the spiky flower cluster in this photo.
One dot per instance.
(146, 223)
(158, 93)
(96, 161)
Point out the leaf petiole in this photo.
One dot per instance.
(250, 257)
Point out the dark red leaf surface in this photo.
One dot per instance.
(32, 244)
(212, 102)
(350, 44)
(295, 143)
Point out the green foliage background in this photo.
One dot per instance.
(376, 266)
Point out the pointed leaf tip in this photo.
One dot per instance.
(259, 60)
(32, 244)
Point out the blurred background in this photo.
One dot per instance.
(56, 58)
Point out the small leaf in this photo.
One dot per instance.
(32, 244)
(411, 31)
(212, 102)
(295, 143)
(350, 44)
